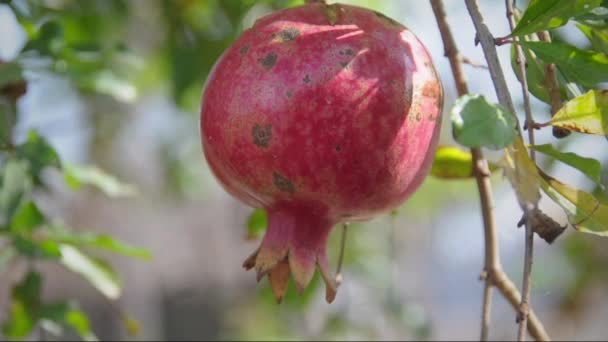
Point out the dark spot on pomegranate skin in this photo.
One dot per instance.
(269, 60)
(244, 49)
(261, 135)
(290, 33)
(289, 94)
(338, 148)
(431, 89)
(283, 183)
(344, 64)
(306, 79)
(347, 52)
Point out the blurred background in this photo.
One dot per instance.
(117, 83)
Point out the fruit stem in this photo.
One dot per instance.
(339, 277)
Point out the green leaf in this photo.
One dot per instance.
(597, 36)
(549, 14)
(37, 151)
(79, 321)
(97, 272)
(25, 302)
(99, 241)
(256, 223)
(77, 176)
(27, 218)
(587, 113)
(586, 67)
(588, 166)
(585, 212)
(10, 73)
(43, 249)
(478, 123)
(14, 186)
(452, 162)
(67, 314)
(598, 14)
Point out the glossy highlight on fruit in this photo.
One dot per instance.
(320, 114)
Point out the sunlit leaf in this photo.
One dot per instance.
(586, 67)
(452, 162)
(587, 113)
(585, 212)
(15, 183)
(77, 176)
(478, 123)
(23, 311)
(39, 153)
(588, 166)
(26, 218)
(98, 273)
(522, 173)
(256, 223)
(549, 14)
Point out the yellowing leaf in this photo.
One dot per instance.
(522, 173)
(587, 113)
(586, 213)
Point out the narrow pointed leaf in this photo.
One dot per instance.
(77, 176)
(96, 272)
(586, 67)
(588, 166)
(549, 14)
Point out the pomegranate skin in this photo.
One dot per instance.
(320, 114)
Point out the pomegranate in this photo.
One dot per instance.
(320, 114)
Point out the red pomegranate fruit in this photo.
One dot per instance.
(320, 114)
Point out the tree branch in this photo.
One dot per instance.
(481, 172)
(500, 85)
(524, 307)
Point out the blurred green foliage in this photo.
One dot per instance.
(96, 46)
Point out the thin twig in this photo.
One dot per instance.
(466, 60)
(481, 172)
(504, 96)
(524, 308)
(339, 277)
